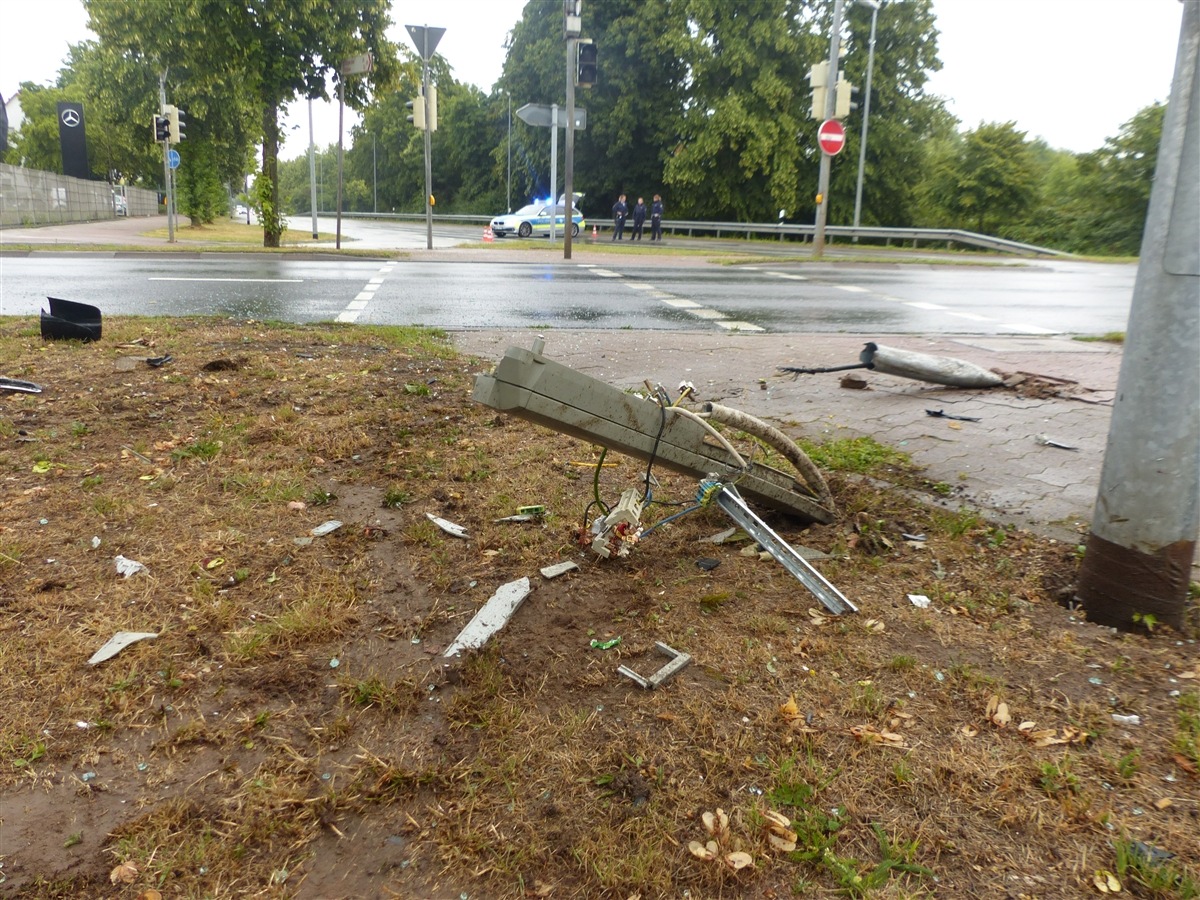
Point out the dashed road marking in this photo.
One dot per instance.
(853, 288)
(733, 325)
(239, 280)
(681, 303)
(788, 275)
(917, 304)
(605, 273)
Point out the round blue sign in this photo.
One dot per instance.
(173, 158)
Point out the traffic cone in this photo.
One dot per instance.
(488, 237)
(595, 232)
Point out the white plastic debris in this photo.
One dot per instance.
(919, 600)
(449, 527)
(1126, 720)
(119, 642)
(560, 569)
(95, 543)
(128, 567)
(492, 616)
(326, 528)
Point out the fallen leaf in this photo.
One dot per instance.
(125, 873)
(150, 894)
(874, 626)
(997, 711)
(1162, 803)
(700, 851)
(790, 710)
(818, 617)
(738, 860)
(969, 730)
(782, 844)
(1106, 882)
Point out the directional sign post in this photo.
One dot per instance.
(425, 39)
(831, 137)
(541, 116)
(362, 64)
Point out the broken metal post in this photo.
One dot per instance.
(731, 501)
(1144, 527)
(945, 370)
(527, 384)
(679, 662)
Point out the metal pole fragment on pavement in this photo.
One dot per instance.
(1142, 543)
(830, 109)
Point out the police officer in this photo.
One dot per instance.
(656, 214)
(619, 212)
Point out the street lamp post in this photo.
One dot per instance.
(862, 148)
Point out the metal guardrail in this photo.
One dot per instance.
(952, 238)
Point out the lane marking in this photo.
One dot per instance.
(639, 286)
(365, 295)
(734, 325)
(238, 280)
(917, 304)
(853, 288)
(705, 313)
(970, 316)
(681, 303)
(788, 275)
(605, 273)
(347, 316)
(356, 305)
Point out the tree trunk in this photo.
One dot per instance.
(269, 192)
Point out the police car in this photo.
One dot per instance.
(535, 219)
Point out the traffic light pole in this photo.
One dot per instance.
(428, 142)
(1142, 544)
(830, 109)
(569, 163)
(166, 148)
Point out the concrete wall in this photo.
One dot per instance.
(30, 197)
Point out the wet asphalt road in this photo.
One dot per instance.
(1034, 298)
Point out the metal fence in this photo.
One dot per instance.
(950, 238)
(31, 197)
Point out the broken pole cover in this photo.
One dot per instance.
(924, 367)
(1144, 527)
(527, 384)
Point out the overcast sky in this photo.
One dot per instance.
(1069, 71)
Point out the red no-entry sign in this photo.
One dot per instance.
(831, 137)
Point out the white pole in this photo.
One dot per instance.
(312, 170)
(862, 149)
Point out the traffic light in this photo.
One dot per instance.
(847, 97)
(162, 129)
(417, 116)
(178, 120)
(818, 79)
(587, 69)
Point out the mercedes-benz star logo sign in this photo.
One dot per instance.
(70, 117)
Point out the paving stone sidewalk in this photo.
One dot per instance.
(996, 465)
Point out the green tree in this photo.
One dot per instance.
(739, 155)
(256, 56)
(905, 119)
(1107, 205)
(985, 181)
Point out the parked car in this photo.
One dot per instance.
(239, 212)
(120, 205)
(535, 219)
